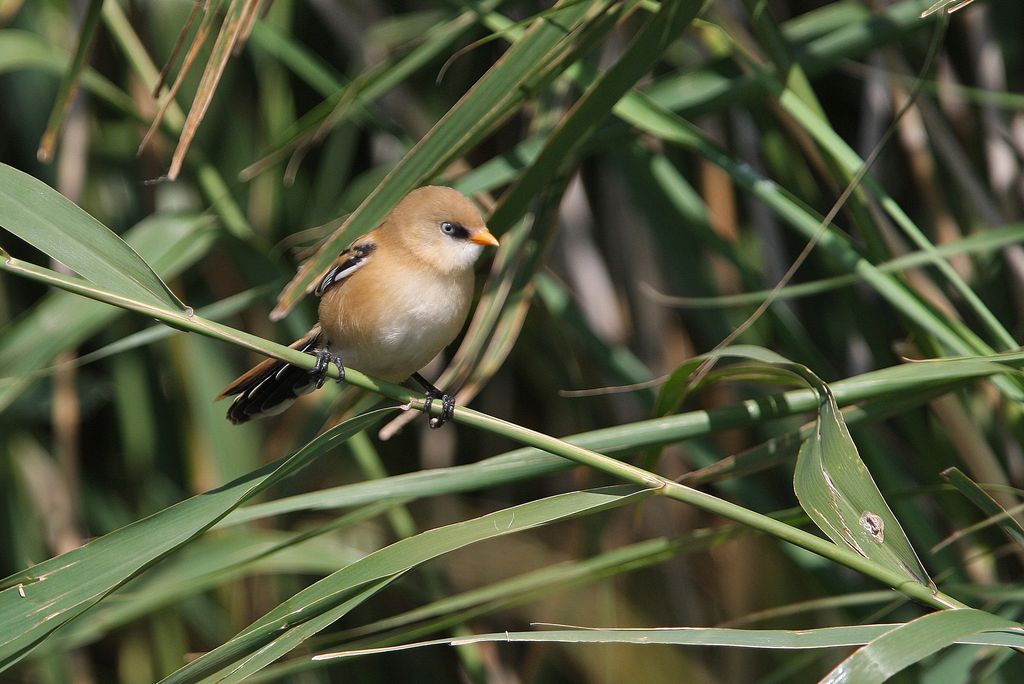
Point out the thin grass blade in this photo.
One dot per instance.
(70, 82)
(989, 506)
(826, 637)
(233, 32)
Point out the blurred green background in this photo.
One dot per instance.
(625, 250)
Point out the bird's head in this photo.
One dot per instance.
(441, 227)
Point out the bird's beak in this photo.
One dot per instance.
(484, 237)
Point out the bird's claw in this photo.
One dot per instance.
(324, 358)
(447, 408)
(447, 401)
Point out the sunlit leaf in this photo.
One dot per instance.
(831, 481)
(52, 223)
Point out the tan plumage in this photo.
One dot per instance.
(394, 299)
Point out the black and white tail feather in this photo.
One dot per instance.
(271, 386)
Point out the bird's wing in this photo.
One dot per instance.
(347, 263)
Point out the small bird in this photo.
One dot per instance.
(390, 302)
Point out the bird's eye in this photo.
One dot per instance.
(454, 230)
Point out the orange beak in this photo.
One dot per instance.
(483, 237)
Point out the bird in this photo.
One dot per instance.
(389, 303)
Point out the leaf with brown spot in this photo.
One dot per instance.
(838, 493)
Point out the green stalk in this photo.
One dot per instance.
(710, 503)
(187, 320)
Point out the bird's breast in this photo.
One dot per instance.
(390, 329)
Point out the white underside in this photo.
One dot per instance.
(423, 319)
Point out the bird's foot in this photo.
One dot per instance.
(447, 408)
(324, 358)
(447, 402)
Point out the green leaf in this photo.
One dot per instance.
(43, 217)
(39, 600)
(831, 481)
(317, 606)
(291, 636)
(208, 562)
(979, 243)
(770, 366)
(838, 493)
(61, 320)
(217, 311)
(889, 653)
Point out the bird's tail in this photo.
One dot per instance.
(271, 386)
